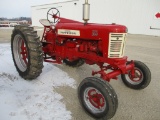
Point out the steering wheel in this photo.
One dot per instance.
(53, 15)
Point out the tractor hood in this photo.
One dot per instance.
(75, 29)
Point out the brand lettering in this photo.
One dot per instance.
(68, 32)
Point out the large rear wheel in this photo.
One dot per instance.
(98, 98)
(26, 52)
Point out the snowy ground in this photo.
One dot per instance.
(31, 100)
(5, 28)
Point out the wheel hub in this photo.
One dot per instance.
(95, 100)
(20, 52)
(137, 76)
(24, 53)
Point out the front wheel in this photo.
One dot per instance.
(98, 98)
(141, 78)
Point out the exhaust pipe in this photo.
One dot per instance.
(86, 11)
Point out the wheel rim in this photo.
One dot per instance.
(94, 100)
(137, 78)
(20, 52)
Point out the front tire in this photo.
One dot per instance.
(98, 98)
(142, 76)
(26, 52)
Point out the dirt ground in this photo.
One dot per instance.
(133, 104)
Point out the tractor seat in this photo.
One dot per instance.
(45, 22)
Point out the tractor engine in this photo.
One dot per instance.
(51, 44)
(86, 46)
(83, 46)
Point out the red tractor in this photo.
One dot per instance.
(75, 43)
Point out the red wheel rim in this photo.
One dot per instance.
(24, 53)
(20, 52)
(94, 99)
(137, 77)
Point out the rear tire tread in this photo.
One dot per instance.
(35, 65)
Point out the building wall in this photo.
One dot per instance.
(137, 15)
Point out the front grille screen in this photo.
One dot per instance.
(116, 45)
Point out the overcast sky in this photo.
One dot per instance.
(19, 8)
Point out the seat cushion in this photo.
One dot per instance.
(44, 22)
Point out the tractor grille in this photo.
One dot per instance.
(116, 45)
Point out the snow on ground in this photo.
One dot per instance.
(6, 28)
(31, 100)
(39, 29)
